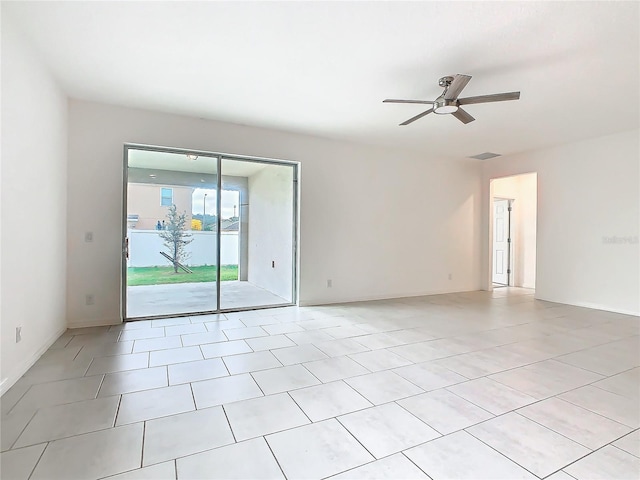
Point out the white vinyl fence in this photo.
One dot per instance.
(145, 247)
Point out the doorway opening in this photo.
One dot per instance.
(513, 229)
(206, 233)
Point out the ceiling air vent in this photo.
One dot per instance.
(485, 156)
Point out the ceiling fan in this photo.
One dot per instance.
(449, 102)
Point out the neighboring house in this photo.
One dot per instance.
(230, 224)
(148, 203)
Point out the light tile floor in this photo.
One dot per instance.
(465, 386)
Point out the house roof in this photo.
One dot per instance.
(230, 224)
(323, 68)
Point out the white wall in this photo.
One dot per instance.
(408, 222)
(523, 190)
(34, 186)
(145, 247)
(271, 230)
(587, 191)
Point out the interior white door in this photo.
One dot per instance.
(501, 241)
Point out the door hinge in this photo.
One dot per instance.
(508, 240)
(508, 270)
(509, 209)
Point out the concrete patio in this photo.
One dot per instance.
(150, 300)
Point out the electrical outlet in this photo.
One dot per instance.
(18, 334)
(329, 283)
(89, 299)
(88, 237)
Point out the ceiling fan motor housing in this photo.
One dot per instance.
(442, 106)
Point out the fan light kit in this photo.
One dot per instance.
(449, 103)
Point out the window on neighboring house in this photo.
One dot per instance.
(166, 197)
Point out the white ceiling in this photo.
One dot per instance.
(323, 68)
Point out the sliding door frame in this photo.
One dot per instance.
(218, 157)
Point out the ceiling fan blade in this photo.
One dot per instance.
(463, 116)
(417, 117)
(459, 82)
(391, 100)
(496, 97)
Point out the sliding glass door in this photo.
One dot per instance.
(171, 263)
(260, 233)
(203, 233)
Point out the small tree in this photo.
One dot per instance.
(175, 237)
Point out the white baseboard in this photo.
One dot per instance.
(592, 306)
(94, 323)
(22, 368)
(333, 301)
(369, 298)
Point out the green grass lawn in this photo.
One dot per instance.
(163, 275)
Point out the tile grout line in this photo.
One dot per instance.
(233, 435)
(104, 376)
(10, 412)
(78, 353)
(310, 373)
(557, 396)
(570, 476)
(622, 449)
(414, 463)
(193, 398)
(501, 454)
(264, 437)
(311, 422)
(144, 435)
(495, 415)
(559, 433)
(354, 437)
(38, 461)
(592, 452)
(22, 430)
(588, 409)
(256, 382)
(417, 418)
(115, 419)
